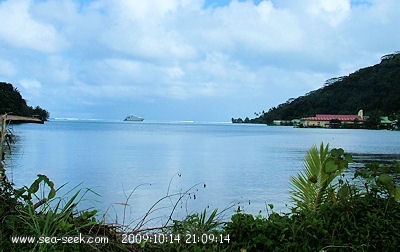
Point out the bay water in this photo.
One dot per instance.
(186, 166)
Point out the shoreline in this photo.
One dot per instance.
(14, 119)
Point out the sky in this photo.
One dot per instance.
(186, 60)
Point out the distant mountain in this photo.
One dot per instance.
(11, 102)
(375, 89)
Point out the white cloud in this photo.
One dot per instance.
(31, 89)
(145, 28)
(20, 29)
(258, 28)
(127, 67)
(30, 84)
(332, 11)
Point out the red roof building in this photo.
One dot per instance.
(325, 121)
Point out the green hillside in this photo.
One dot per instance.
(375, 89)
(11, 102)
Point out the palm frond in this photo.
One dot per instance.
(308, 188)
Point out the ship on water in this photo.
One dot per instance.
(133, 118)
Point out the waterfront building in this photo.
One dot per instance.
(333, 121)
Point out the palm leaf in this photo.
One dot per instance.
(308, 188)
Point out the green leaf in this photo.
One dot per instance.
(337, 152)
(397, 194)
(331, 166)
(35, 186)
(310, 187)
(142, 243)
(343, 164)
(385, 179)
(348, 158)
(364, 173)
(52, 193)
(344, 192)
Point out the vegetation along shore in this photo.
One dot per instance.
(16, 108)
(374, 89)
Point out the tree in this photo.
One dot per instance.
(372, 88)
(11, 102)
(40, 113)
(373, 120)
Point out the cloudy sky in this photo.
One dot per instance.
(202, 60)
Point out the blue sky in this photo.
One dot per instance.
(185, 59)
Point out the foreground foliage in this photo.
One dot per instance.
(331, 213)
(356, 214)
(313, 186)
(362, 224)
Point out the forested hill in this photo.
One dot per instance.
(375, 89)
(11, 102)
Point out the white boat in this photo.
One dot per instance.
(133, 118)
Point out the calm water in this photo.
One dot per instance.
(228, 164)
